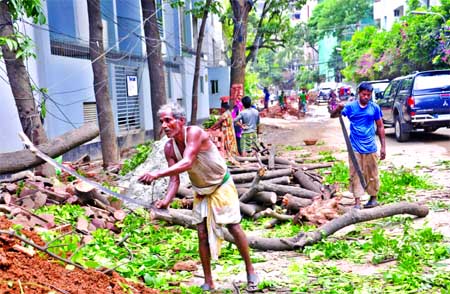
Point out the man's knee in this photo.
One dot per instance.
(234, 228)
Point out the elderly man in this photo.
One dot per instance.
(216, 200)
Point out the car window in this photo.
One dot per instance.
(423, 82)
(391, 89)
(406, 85)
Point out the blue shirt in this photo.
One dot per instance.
(362, 125)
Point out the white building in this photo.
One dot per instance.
(62, 65)
(387, 12)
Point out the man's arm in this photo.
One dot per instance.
(337, 111)
(382, 136)
(194, 140)
(174, 182)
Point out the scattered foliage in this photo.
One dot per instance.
(143, 150)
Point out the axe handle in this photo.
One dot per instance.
(352, 155)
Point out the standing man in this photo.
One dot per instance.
(248, 119)
(302, 102)
(266, 98)
(216, 201)
(362, 114)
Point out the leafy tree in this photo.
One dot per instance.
(154, 61)
(337, 17)
(110, 148)
(418, 42)
(267, 28)
(16, 47)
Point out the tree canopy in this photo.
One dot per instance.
(416, 42)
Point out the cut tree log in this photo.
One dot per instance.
(282, 190)
(265, 198)
(294, 204)
(88, 193)
(24, 159)
(250, 209)
(271, 160)
(248, 177)
(280, 181)
(306, 182)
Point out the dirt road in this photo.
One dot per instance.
(423, 153)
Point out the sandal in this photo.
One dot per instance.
(371, 204)
(252, 283)
(357, 206)
(206, 288)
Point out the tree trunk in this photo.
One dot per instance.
(21, 160)
(198, 56)
(306, 182)
(281, 190)
(110, 150)
(294, 204)
(154, 61)
(184, 218)
(20, 83)
(241, 10)
(247, 177)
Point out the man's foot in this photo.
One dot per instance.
(206, 288)
(252, 282)
(371, 203)
(357, 206)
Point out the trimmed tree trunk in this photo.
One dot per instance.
(110, 150)
(198, 54)
(184, 218)
(154, 61)
(20, 160)
(241, 10)
(20, 83)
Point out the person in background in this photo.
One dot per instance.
(225, 123)
(302, 102)
(281, 100)
(332, 101)
(237, 108)
(216, 203)
(266, 98)
(248, 119)
(364, 115)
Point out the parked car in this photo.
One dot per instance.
(378, 87)
(324, 95)
(419, 101)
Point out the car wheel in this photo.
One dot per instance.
(401, 135)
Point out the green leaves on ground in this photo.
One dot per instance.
(143, 150)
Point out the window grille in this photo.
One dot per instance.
(89, 112)
(128, 110)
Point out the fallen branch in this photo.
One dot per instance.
(352, 217)
(40, 248)
(24, 159)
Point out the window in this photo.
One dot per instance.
(128, 110)
(201, 85)
(128, 27)
(89, 112)
(214, 86)
(61, 20)
(159, 15)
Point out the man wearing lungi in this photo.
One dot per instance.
(216, 201)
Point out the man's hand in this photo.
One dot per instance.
(162, 204)
(148, 178)
(382, 153)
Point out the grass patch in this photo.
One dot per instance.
(143, 150)
(292, 148)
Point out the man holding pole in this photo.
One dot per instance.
(364, 115)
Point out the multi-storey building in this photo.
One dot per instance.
(63, 67)
(387, 12)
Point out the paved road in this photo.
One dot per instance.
(424, 149)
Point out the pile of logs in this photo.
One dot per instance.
(25, 192)
(267, 182)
